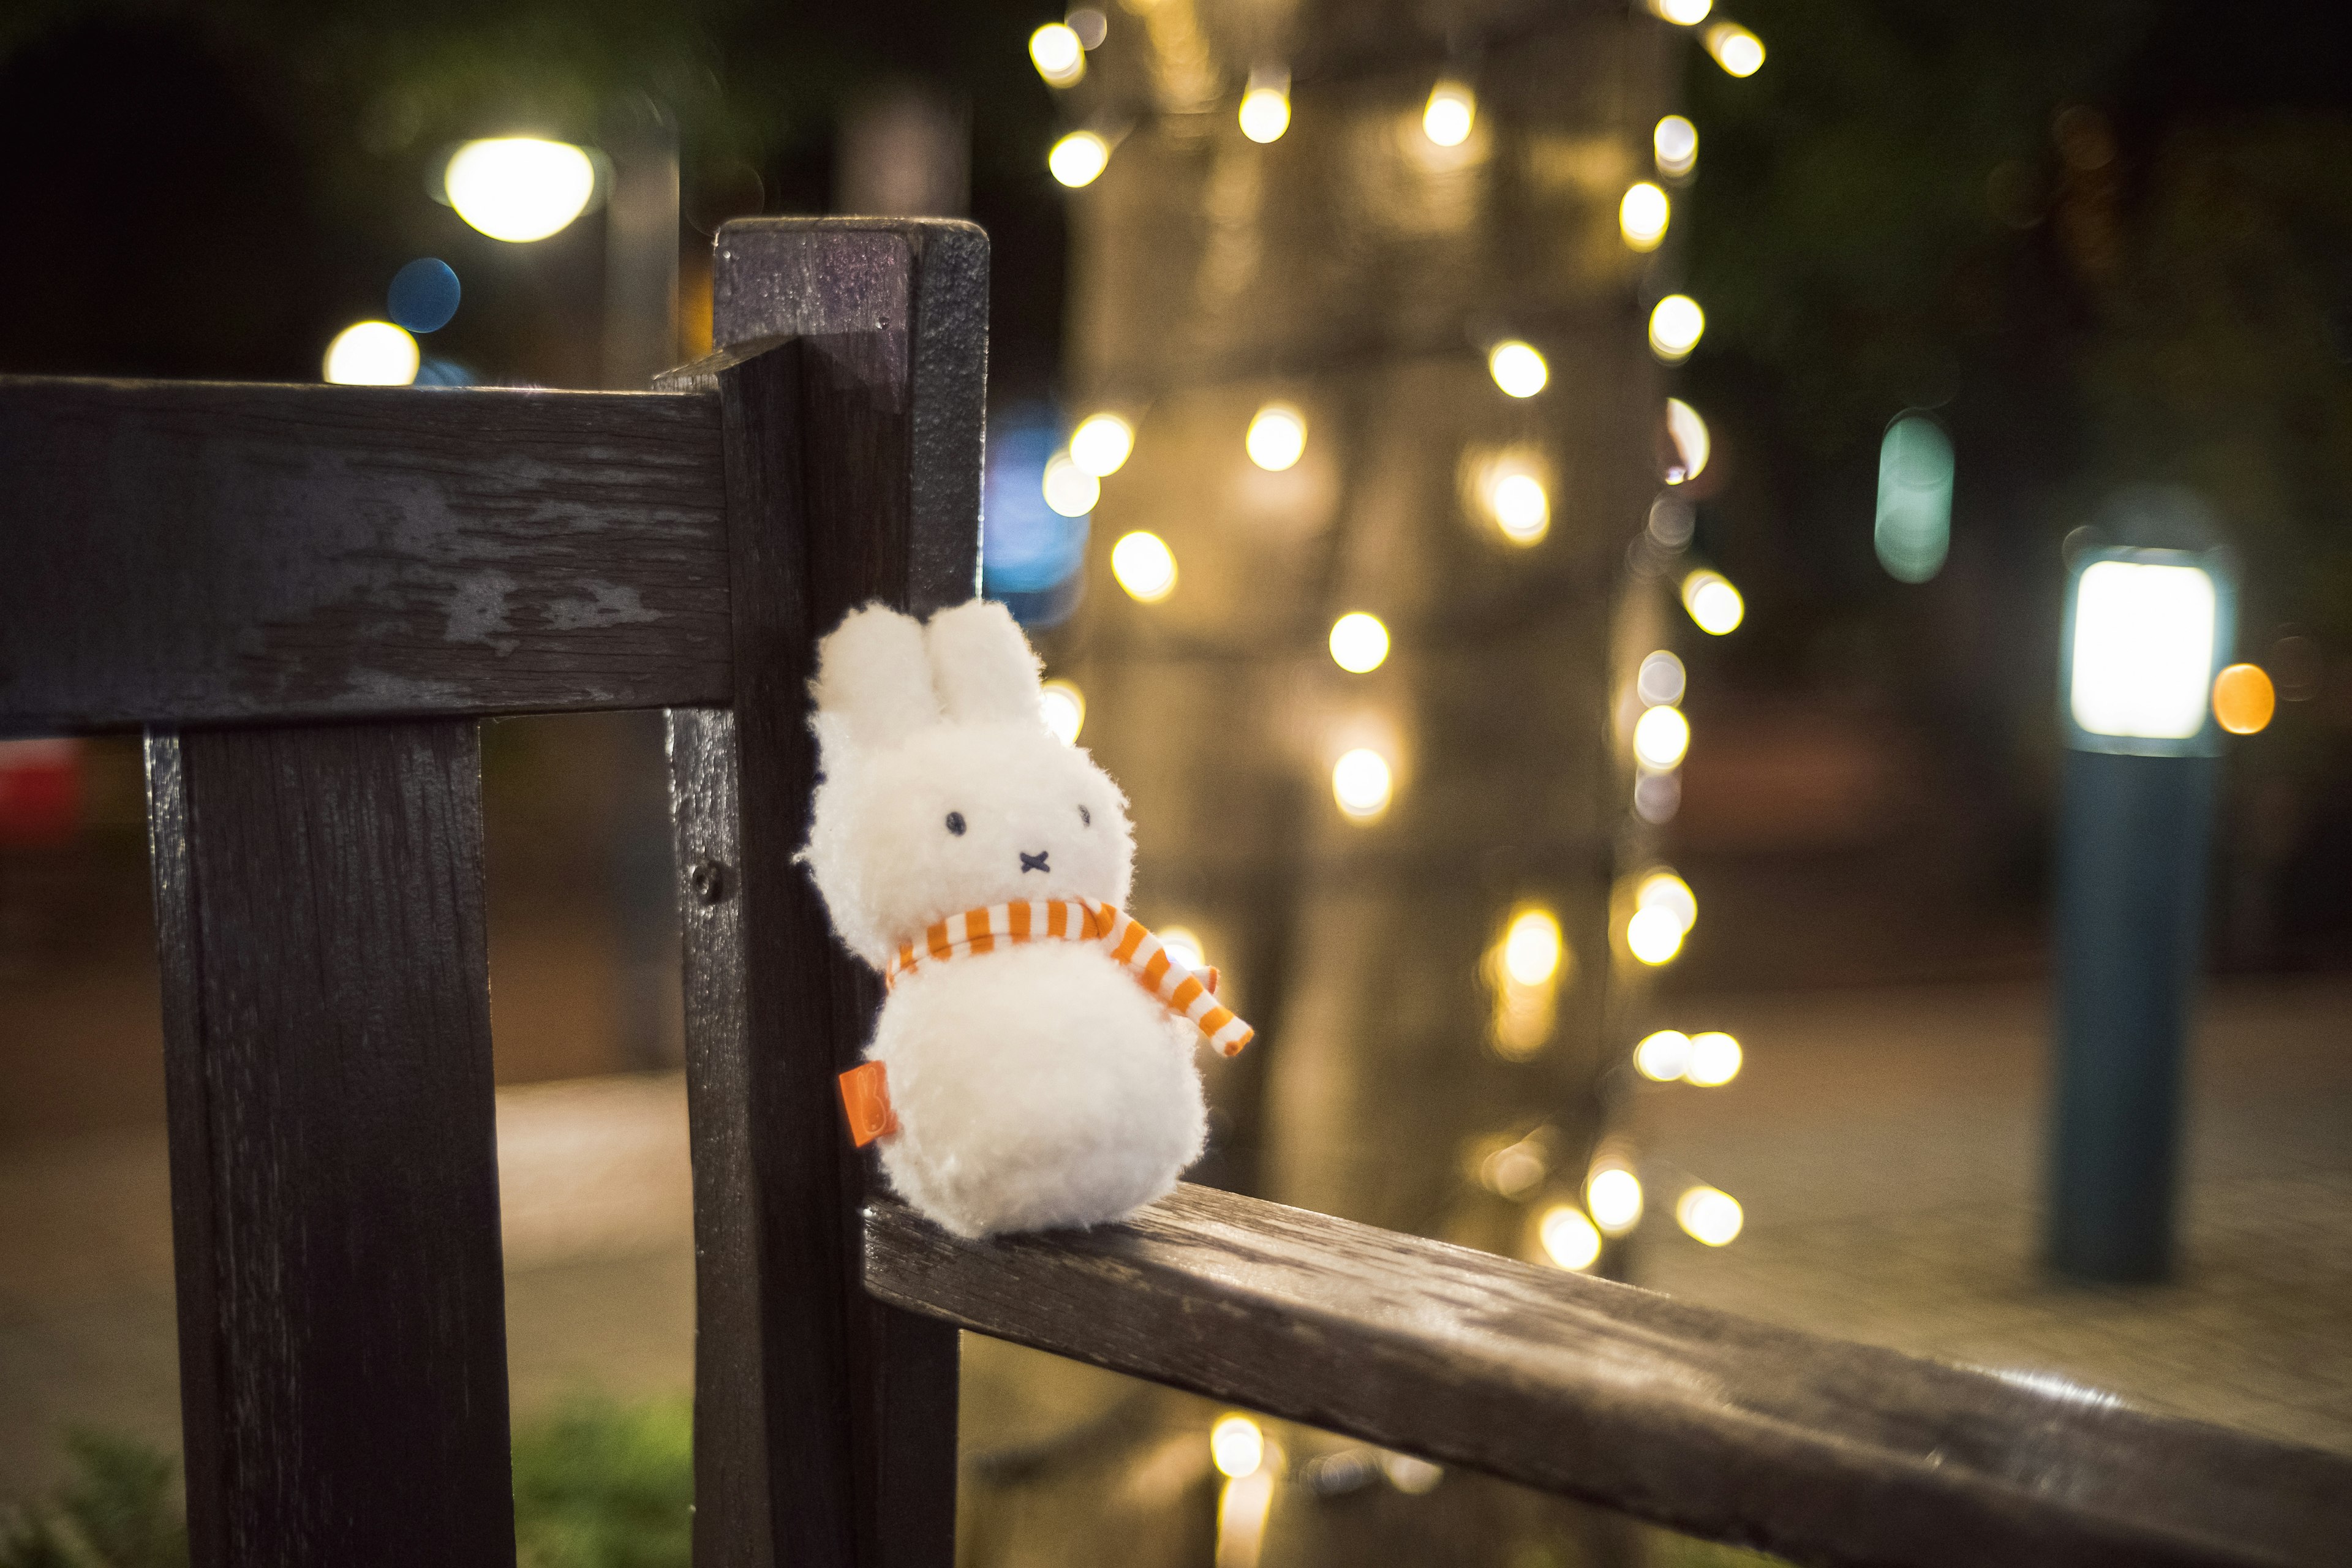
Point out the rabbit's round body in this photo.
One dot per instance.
(1036, 1084)
(1035, 1087)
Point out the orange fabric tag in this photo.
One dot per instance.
(865, 1097)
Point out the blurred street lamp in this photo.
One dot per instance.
(519, 188)
(2146, 629)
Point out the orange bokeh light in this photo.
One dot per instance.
(2243, 699)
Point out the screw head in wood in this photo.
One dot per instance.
(708, 880)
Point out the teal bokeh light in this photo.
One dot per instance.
(1915, 498)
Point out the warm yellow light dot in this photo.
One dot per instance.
(1517, 368)
(1277, 436)
(1182, 945)
(1144, 566)
(1512, 1171)
(1674, 144)
(2243, 699)
(1064, 709)
(1654, 935)
(1735, 49)
(1360, 642)
(371, 353)
(1265, 111)
(519, 188)
(1237, 1444)
(1613, 1194)
(1661, 736)
(1080, 158)
(1101, 444)
(1709, 1215)
(1664, 890)
(1675, 326)
(1686, 433)
(1531, 948)
(1663, 1057)
(1058, 54)
(1660, 679)
(1521, 508)
(1684, 13)
(1714, 605)
(1361, 784)
(1569, 1239)
(1714, 1060)
(1641, 215)
(1069, 489)
(1448, 116)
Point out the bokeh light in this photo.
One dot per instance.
(1266, 107)
(1683, 13)
(1663, 1056)
(1643, 214)
(1709, 1215)
(1183, 946)
(371, 353)
(1674, 144)
(1675, 326)
(1654, 935)
(1058, 53)
(1517, 368)
(1569, 1237)
(1451, 112)
(1277, 436)
(1735, 49)
(2243, 699)
(1065, 708)
(1101, 443)
(1714, 1060)
(1664, 890)
(1661, 736)
(424, 295)
(1360, 642)
(2143, 649)
(1079, 159)
(1069, 489)
(1714, 605)
(1914, 527)
(1661, 681)
(1144, 566)
(1237, 1444)
(519, 188)
(1531, 949)
(1521, 508)
(1361, 784)
(1613, 1196)
(1686, 435)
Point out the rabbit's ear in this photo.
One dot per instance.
(982, 666)
(873, 678)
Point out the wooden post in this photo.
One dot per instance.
(852, 376)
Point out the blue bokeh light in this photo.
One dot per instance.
(424, 295)
(1030, 554)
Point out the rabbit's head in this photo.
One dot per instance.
(942, 789)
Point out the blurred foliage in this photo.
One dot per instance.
(117, 1512)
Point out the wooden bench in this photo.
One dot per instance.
(307, 597)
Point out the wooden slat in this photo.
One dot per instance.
(335, 1177)
(1822, 1451)
(825, 1422)
(185, 552)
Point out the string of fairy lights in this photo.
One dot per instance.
(1510, 487)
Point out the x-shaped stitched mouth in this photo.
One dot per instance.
(1035, 862)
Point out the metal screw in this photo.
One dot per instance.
(708, 880)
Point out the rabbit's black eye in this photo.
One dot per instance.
(955, 822)
(1086, 818)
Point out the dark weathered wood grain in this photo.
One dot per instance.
(851, 377)
(183, 552)
(1824, 1452)
(335, 1177)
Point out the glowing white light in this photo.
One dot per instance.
(1237, 1444)
(1654, 935)
(1642, 217)
(1452, 110)
(519, 188)
(1069, 489)
(1361, 784)
(1522, 511)
(1058, 52)
(1080, 158)
(1101, 444)
(1512, 1171)
(1532, 948)
(1661, 736)
(1265, 108)
(1714, 605)
(1714, 1060)
(1735, 49)
(1359, 642)
(1675, 326)
(1683, 13)
(1065, 708)
(1409, 1475)
(2143, 649)
(1661, 681)
(1674, 144)
(1182, 946)
(1277, 436)
(371, 353)
(1613, 1194)
(1144, 566)
(1709, 1215)
(1517, 368)
(1664, 890)
(1687, 433)
(1663, 1057)
(1569, 1239)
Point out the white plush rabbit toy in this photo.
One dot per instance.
(1033, 1066)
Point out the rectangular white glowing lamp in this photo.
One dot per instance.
(2143, 653)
